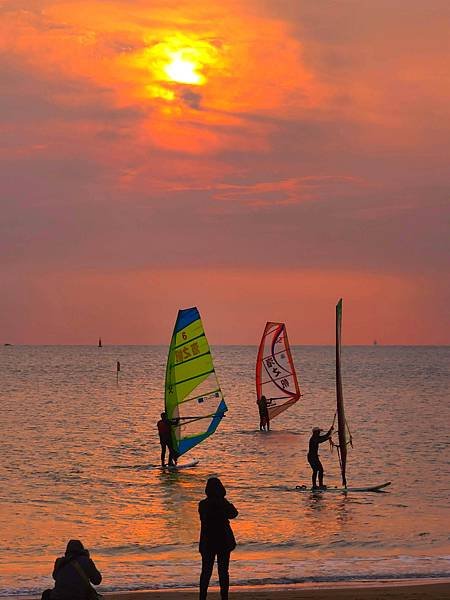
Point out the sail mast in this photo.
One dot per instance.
(342, 425)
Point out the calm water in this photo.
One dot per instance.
(78, 454)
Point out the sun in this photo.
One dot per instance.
(183, 70)
(175, 61)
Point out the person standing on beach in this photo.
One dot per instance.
(313, 455)
(216, 536)
(264, 419)
(165, 439)
(73, 574)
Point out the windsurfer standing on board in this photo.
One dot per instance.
(165, 439)
(313, 456)
(264, 420)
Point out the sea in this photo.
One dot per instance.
(80, 459)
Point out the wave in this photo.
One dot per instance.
(253, 582)
(135, 549)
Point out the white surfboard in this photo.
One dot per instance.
(179, 467)
(368, 488)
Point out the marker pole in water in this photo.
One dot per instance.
(117, 372)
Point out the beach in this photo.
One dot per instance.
(416, 591)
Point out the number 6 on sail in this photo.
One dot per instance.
(193, 398)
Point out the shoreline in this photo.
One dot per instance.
(375, 590)
(388, 589)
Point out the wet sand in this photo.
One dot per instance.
(426, 591)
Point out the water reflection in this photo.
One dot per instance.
(102, 484)
(325, 516)
(177, 505)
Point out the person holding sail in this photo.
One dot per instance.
(165, 439)
(313, 455)
(264, 418)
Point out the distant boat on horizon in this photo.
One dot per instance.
(100, 342)
(375, 343)
(7, 344)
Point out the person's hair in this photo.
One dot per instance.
(163, 415)
(215, 488)
(74, 547)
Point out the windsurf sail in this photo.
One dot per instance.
(343, 431)
(193, 398)
(276, 378)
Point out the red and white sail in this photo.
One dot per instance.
(276, 378)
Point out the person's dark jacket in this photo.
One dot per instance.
(164, 431)
(314, 441)
(263, 407)
(69, 583)
(216, 534)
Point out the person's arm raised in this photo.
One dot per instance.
(231, 510)
(93, 573)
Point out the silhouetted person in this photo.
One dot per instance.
(264, 420)
(216, 536)
(165, 439)
(313, 455)
(73, 574)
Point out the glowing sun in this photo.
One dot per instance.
(183, 70)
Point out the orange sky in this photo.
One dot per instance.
(258, 159)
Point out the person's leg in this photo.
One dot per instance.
(320, 471)
(268, 423)
(223, 563)
(172, 456)
(314, 477)
(205, 576)
(261, 422)
(163, 454)
(312, 464)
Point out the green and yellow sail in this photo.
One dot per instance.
(193, 398)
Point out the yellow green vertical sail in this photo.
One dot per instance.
(193, 398)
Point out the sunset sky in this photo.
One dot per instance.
(257, 158)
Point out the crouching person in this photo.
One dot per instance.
(73, 574)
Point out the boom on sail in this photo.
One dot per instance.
(276, 378)
(193, 398)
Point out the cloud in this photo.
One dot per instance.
(284, 192)
(29, 97)
(191, 98)
(318, 139)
